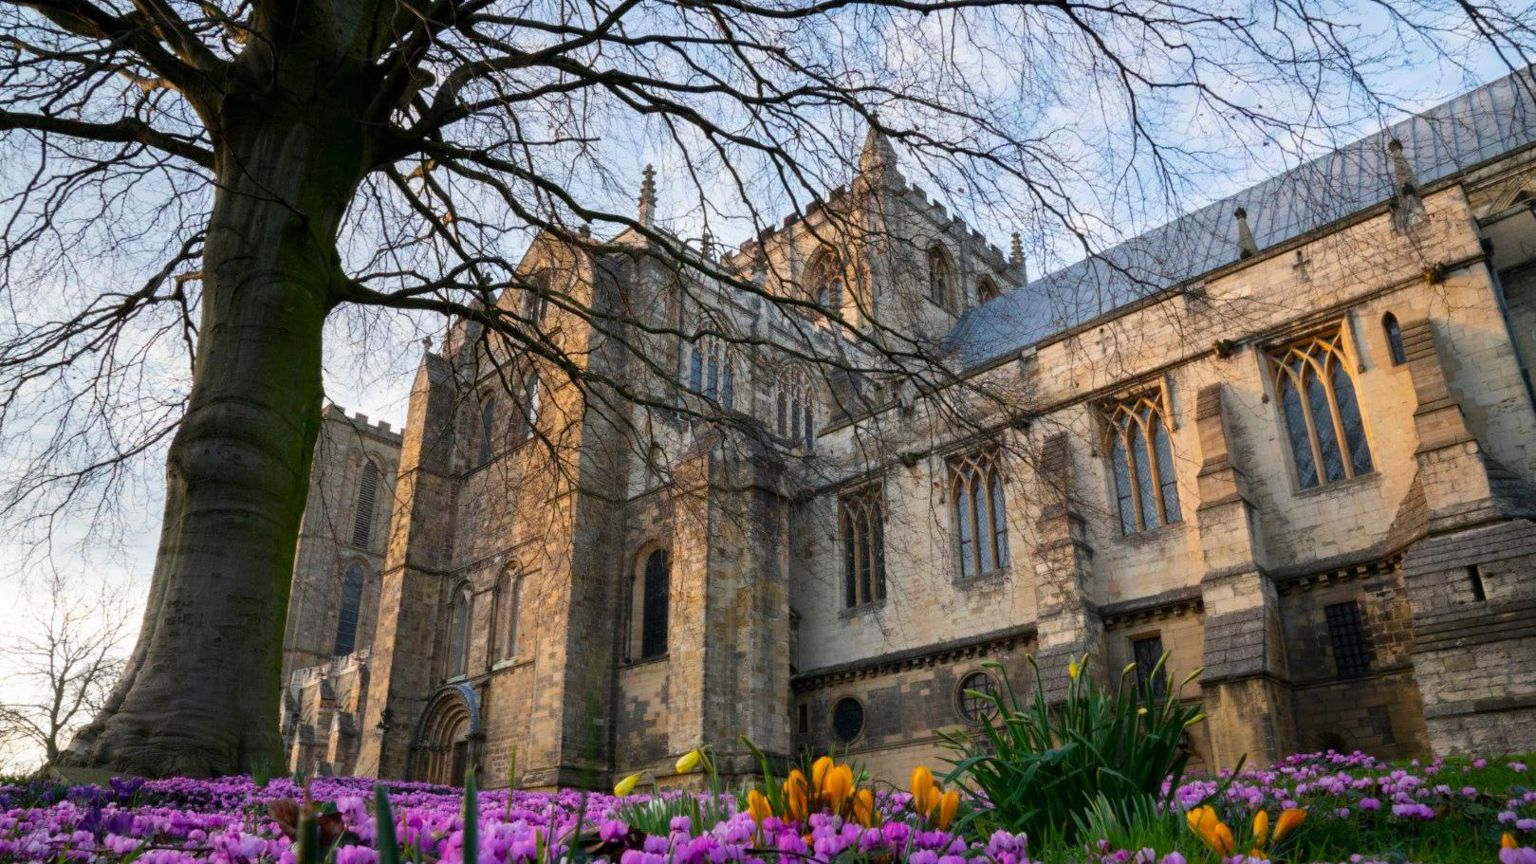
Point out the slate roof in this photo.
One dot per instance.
(1452, 137)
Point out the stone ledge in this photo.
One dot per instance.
(1480, 706)
(923, 655)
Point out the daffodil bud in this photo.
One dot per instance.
(689, 761)
(627, 785)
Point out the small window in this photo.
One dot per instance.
(1394, 339)
(1147, 651)
(458, 633)
(794, 413)
(974, 699)
(487, 430)
(512, 599)
(530, 406)
(940, 277)
(351, 604)
(847, 720)
(1475, 580)
(650, 606)
(805, 718)
(1352, 650)
(367, 492)
(986, 289)
(861, 522)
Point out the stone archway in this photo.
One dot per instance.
(448, 737)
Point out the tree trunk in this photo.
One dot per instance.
(201, 691)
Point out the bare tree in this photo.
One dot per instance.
(59, 673)
(210, 183)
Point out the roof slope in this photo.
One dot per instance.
(1468, 130)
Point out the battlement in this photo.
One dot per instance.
(361, 422)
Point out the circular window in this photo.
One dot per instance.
(973, 699)
(847, 719)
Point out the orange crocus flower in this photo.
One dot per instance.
(1288, 822)
(796, 796)
(839, 786)
(864, 808)
(948, 804)
(758, 806)
(924, 793)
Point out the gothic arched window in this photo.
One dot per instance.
(530, 405)
(458, 633)
(487, 430)
(986, 289)
(825, 281)
(1394, 339)
(1141, 459)
(711, 370)
(351, 605)
(649, 605)
(861, 523)
(512, 604)
(362, 517)
(794, 411)
(1322, 417)
(976, 506)
(941, 280)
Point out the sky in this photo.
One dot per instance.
(380, 386)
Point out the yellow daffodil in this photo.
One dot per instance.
(1287, 822)
(1073, 669)
(627, 785)
(948, 804)
(758, 806)
(690, 761)
(1260, 827)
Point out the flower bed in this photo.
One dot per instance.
(1357, 809)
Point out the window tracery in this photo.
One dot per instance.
(1316, 392)
(1141, 460)
(940, 277)
(794, 407)
(861, 524)
(351, 606)
(978, 511)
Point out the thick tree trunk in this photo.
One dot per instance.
(200, 694)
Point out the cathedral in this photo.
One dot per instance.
(828, 489)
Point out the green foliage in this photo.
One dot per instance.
(384, 841)
(1040, 766)
(654, 815)
(1133, 822)
(471, 817)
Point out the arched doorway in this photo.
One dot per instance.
(448, 737)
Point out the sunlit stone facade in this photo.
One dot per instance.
(1289, 439)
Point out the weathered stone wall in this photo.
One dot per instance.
(1380, 710)
(907, 699)
(1238, 584)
